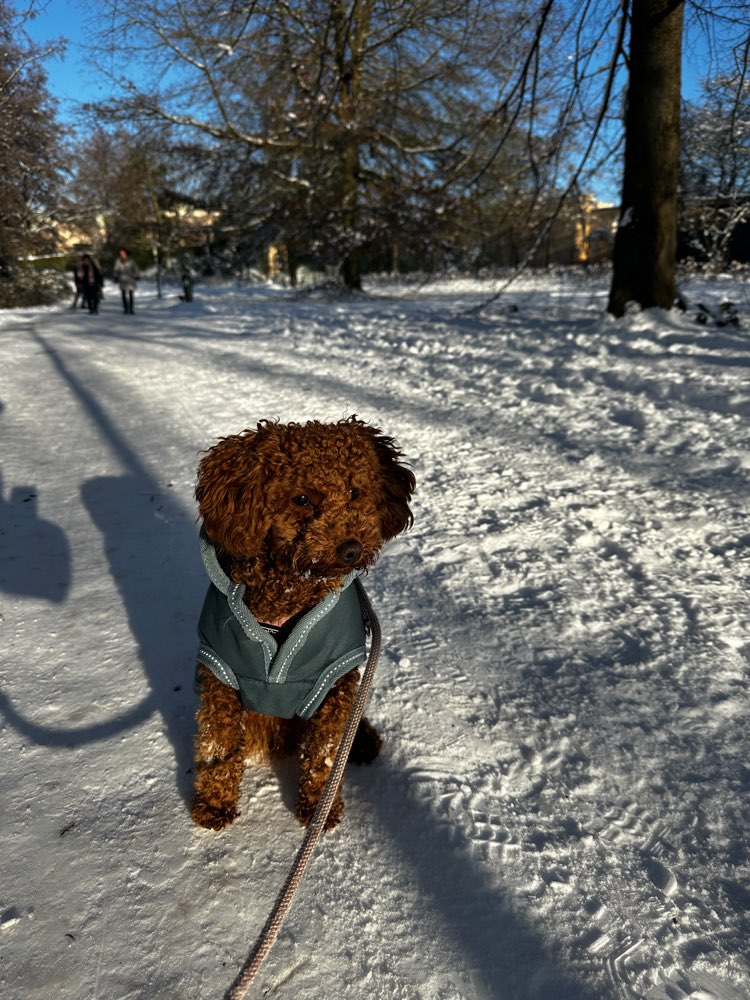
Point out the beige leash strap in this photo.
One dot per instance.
(271, 930)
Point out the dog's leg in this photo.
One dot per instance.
(318, 748)
(367, 743)
(219, 753)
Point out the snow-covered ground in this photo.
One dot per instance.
(562, 807)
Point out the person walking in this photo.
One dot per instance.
(126, 275)
(89, 278)
(187, 279)
(79, 287)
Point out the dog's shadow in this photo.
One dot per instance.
(480, 917)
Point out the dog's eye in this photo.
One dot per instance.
(302, 500)
(354, 493)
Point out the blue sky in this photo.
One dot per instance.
(71, 78)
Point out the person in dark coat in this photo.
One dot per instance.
(90, 278)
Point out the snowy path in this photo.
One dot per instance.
(562, 808)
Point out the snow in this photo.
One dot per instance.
(561, 809)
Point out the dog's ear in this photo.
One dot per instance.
(230, 493)
(397, 481)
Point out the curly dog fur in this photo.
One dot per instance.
(291, 509)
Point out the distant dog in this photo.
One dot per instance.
(291, 514)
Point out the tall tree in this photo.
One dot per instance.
(337, 120)
(646, 242)
(716, 163)
(118, 191)
(29, 150)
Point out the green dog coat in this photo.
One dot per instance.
(287, 680)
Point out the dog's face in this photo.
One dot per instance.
(315, 498)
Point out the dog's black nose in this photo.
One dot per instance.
(349, 551)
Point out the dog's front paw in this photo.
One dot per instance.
(212, 817)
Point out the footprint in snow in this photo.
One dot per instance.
(489, 837)
(662, 877)
(695, 984)
(632, 823)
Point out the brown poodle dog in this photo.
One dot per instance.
(291, 514)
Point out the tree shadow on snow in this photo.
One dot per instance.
(149, 556)
(151, 548)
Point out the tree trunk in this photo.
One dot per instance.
(646, 243)
(352, 33)
(351, 271)
(351, 267)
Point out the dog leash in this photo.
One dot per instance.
(283, 902)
